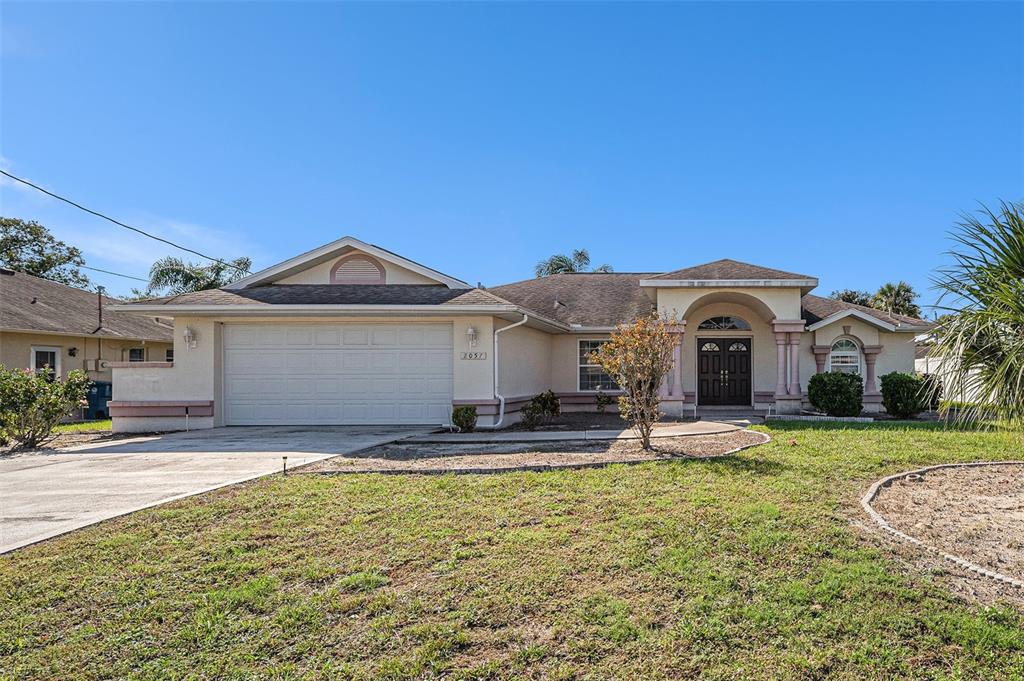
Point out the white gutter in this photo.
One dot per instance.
(501, 398)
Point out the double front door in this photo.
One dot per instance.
(723, 371)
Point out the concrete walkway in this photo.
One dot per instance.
(679, 430)
(47, 494)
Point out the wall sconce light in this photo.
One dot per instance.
(471, 336)
(72, 352)
(190, 338)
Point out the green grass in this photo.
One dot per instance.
(742, 567)
(84, 426)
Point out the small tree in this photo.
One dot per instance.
(33, 402)
(638, 356)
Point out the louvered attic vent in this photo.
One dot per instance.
(357, 269)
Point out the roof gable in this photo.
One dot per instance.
(320, 266)
(819, 312)
(729, 270)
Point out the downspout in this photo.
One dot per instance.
(497, 393)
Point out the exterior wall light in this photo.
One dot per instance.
(471, 336)
(190, 338)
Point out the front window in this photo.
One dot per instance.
(592, 376)
(137, 355)
(725, 323)
(169, 355)
(46, 360)
(845, 357)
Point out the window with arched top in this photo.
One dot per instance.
(725, 323)
(844, 357)
(357, 269)
(710, 347)
(738, 347)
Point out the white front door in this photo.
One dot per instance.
(337, 374)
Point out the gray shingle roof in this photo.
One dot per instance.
(816, 308)
(334, 294)
(587, 299)
(729, 269)
(29, 303)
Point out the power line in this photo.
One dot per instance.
(121, 224)
(116, 274)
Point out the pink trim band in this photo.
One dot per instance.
(141, 365)
(123, 409)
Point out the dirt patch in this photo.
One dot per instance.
(70, 440)
(438, 457)
(975, 513)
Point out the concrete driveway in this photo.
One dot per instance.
(44, 495)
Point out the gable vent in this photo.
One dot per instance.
(357, 269)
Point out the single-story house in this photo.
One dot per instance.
(44, 323)
(351, 333)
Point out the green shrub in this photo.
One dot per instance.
(603, 400)
(32, 403)
(464, 418)
(933, 391)
(836, 394)
(540, 410)
(903, 395)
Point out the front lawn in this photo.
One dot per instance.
(102, 425)
(741, 567)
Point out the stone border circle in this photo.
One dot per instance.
(537, 468)
(873, 491)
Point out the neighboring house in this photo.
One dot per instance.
(351, 333)
(47, 324)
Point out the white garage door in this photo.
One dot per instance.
(337, 374)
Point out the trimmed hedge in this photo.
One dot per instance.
(837, 394)
(904, 395)
(464, 418)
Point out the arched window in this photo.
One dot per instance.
(710, 347)
(357, 269)
(845, 357)
(725, 324)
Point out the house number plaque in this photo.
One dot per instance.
(474, 355)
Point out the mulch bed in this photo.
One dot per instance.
(582, 420)
(975, 513)
(485, 458)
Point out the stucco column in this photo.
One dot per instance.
(820, 357)
(870, 355)
(780, 347)
(794, 364)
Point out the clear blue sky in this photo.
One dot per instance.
(838, 139)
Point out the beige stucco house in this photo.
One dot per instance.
(351, 333)
(45, 323)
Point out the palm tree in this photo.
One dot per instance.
(897, 299)
(174, 275)
(980, 342)
(560, 263)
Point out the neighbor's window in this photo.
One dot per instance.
(137, 355)
(592, 376)
(46, 359)
(169, 355)
(725, 324)
(845, 357)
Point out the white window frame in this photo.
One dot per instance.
(858, 353)
(137, 360)
(57, 352)
(580, 365)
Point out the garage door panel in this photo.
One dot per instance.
(338, 374)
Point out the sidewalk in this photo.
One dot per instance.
(680, 430)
